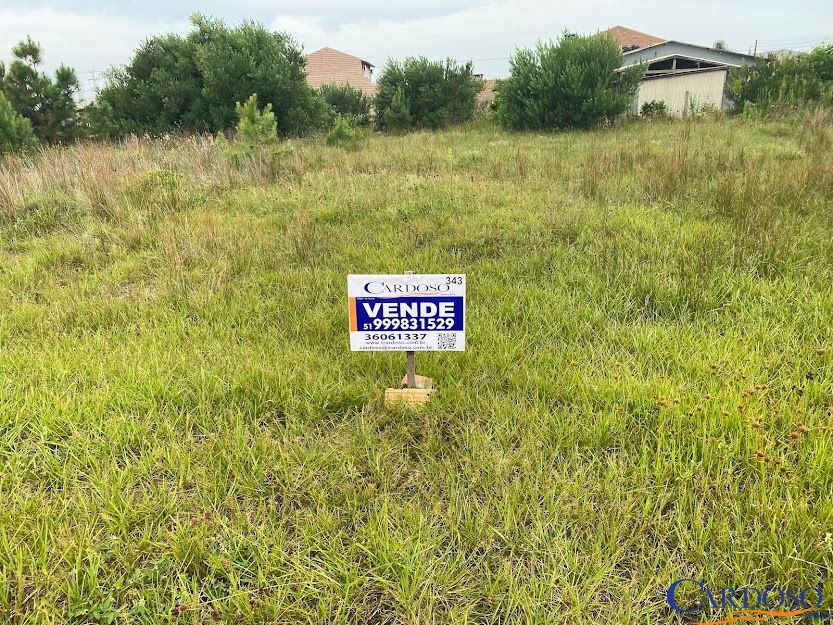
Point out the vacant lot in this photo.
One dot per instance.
(646, 395)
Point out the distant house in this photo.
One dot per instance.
(333, 67)
(486, 95)
(685, 76)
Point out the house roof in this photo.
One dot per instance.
(667, 49)
(629, 37)
(329, 66)
(328, 50)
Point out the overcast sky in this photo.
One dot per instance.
(94, 35)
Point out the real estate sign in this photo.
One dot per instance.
(407, 312)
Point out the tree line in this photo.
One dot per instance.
(196, 82)
(791, 81)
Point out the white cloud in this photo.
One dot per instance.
(479, 32)
(307, 32)
(105, 34)
(492, 30)
(87, 42)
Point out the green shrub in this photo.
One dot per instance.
(342, 133)
(153, 182)
(570, 83)
(396, 117)
(15, 130)
(784, 83)
(255, 126)
(259, 161)
(97, 120)
(159, 191)
(655, 109)
(821, 61)
(425, 94)
(706, 110)
(192, 82)
(41, 214)
(347, 101)
(256, 147)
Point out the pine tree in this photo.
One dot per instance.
(48, 104)
(15, 130)
(255, 125)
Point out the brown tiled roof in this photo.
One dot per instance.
(327, 66)
(630, 37)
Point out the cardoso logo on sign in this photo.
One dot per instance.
(381, 288)
(407, 312)
(746, 603)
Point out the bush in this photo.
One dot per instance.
(655, 109)
(570, 83)
(193, 82)
(254, 125)
(342, 133)
(788, 82)
(706, 110)
(255, 138)
(15, 130)
(98, 120)
(160, 191)
(42, 213)
(821, 62)
(425, 94)
(396, 117)
(347, 101)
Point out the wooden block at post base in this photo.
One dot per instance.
(422, 382)
(407, 396)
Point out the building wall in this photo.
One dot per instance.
(487, 96)
(331, 67)
(678, 91)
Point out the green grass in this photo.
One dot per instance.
(646, 392)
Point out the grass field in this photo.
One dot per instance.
(646, 394)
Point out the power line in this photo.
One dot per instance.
(90, 83)
(795, 40)
(803, 46)
(809, 42)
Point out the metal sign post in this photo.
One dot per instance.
(410, 369)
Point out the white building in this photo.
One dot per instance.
(685, 76)
(684, 93)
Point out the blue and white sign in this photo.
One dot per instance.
(407, 312)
